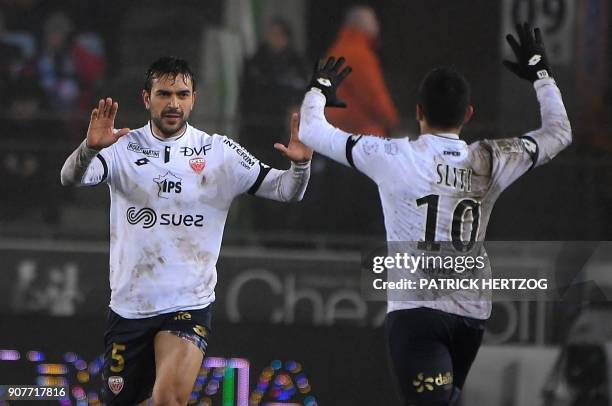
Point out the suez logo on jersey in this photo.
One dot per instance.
(149, 218)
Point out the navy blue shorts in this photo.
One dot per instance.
(431, 353)
(129, 358)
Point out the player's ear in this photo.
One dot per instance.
(419, 112)
(469, 112)
(193, 98)
(146, 99)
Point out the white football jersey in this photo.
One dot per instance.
(438, 188)
(169, 203)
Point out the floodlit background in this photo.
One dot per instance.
(289, 314)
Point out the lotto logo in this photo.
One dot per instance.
(534, 60)
(325, 82)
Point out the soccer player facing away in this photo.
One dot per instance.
(439, 188)
(171, 187)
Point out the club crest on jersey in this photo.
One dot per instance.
(115, 384)
(197, 164)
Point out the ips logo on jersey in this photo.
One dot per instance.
(168, 184)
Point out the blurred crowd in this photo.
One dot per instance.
(53, 70)
(56, 61)
(49, 77)
(273, 84)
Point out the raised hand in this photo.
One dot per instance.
(295, 151)
(101, 132)
(531, 61)
(327, 77)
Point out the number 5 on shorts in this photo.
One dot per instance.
(120, 361)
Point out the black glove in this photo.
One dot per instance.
(532, 63)
(327, 78)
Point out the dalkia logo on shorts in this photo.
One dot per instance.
(422, 382)
(115, 384)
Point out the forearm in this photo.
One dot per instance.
(317, 133)
(286, 186)
(75, 168)
(555, 134)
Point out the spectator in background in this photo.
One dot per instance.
(31, 143)
(272, 84)
(370, 108)
(17, 50)
(69, 66)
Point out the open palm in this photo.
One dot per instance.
(101, 132)
(295, 150)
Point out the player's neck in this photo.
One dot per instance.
(157, 133)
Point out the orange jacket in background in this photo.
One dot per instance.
(370, 108)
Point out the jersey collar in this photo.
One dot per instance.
(167, 140)
(451, 136)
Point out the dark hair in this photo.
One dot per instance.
(170, 66)
(444, 95)
(283, 25)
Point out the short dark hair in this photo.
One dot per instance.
(170, 66)
(444, 96)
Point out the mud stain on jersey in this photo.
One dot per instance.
(136, 194)
(216, 188)
(149, 258)
(143, 305)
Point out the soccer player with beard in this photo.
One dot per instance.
(438, 192)
(171, 187)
